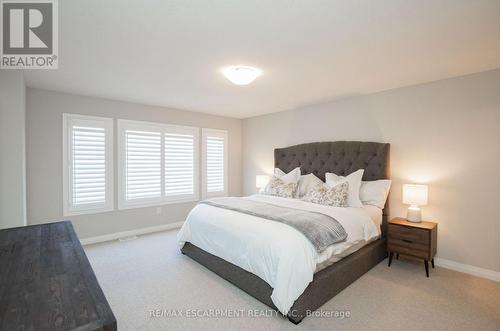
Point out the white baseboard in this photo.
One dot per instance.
(136, 232)
(468, 269)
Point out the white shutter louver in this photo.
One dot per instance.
(214, 163)
(158, 164)
(88, 164)
(142, 165)
(179, 165)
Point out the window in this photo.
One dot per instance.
(158, 164)
(181, 163)
(87, 164)
(142, 165)
(214, 163)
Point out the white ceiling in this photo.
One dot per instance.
(169, 53)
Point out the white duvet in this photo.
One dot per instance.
(276, 252)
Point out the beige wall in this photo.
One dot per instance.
(44, 159)
(445, 134)
(12, 149)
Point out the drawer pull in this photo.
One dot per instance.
(407, 241)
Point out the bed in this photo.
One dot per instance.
(313, 283)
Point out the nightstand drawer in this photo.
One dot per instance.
(408, 247)
(407, 233)
(407, 251)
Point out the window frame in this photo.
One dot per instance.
(69, 120)
(122, 126)
(206, 132)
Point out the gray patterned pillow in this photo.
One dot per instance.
(335, 196)
(278, 188)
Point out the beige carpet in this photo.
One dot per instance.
(149, 273)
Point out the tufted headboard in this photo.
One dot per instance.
(339, 157)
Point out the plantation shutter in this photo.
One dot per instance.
(88, 164)
(215, 165)
(142, 165)
(180, 165)
(160, 164)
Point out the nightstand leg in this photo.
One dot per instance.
(397, 256)
(426, 267)
(432, 262)
(390, 258)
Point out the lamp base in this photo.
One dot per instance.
(414, 214)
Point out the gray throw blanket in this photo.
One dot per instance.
(321, 230)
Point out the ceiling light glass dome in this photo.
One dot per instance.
(241, 75)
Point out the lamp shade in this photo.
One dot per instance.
(415, 195)
(261, 181)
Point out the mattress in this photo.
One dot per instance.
(277, 253)
(338, 251)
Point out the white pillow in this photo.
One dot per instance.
(291, 177)
(354, 181)
(307, 183)
(375, 192)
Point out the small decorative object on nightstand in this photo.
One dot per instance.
(413, 239)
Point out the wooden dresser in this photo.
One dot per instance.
(47, 283)
(418, 240)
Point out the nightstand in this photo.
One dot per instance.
(418, 240)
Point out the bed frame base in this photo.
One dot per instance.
(326, 283)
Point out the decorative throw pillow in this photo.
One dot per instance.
(354, 180)
(335, 196)
(307, 183)
(277, 187)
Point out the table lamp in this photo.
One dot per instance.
(415, 196)
(261, 181)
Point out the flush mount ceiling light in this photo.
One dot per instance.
(241, 75)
